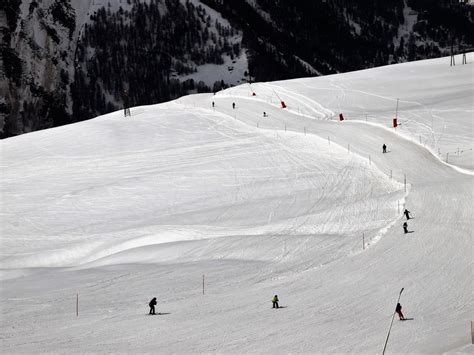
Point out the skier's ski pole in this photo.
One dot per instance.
(388, 335)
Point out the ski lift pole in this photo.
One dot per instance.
(276, 94)
(253, 92)
(388, 335)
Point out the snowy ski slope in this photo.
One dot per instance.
(120, 210)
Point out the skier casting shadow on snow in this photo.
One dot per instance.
(407, 214)
(384, 149)
(152, 305)
(405, 227)
(398, 309)
(275, 301)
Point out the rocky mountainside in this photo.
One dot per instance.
(69, 60)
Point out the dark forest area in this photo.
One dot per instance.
(146, 48)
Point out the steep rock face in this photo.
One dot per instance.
(37, 40)
(69, 60)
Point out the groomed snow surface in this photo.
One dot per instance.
(120, 210)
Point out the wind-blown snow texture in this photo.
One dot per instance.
(120, 210)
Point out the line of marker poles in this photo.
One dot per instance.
(370, 158)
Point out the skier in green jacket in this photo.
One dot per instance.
(275, 301)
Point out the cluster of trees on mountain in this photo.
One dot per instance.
(448, 22)
(344, 35)
(142, 52)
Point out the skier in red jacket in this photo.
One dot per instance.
(399, 311)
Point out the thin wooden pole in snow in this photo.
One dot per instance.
(472, 332)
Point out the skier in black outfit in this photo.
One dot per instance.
(213, 104)
(405, 227)
(399, 311)
(384, 148)
(233, 104)
(152, 305)
(407, 214)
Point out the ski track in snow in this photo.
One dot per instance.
(121, 210)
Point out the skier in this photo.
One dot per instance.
(212, 104)
(407, 214)
(405, 227)
(152, 305)
(264, 114)
(384, 148)
(275, 301)
(233, 105)
(399, 311)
